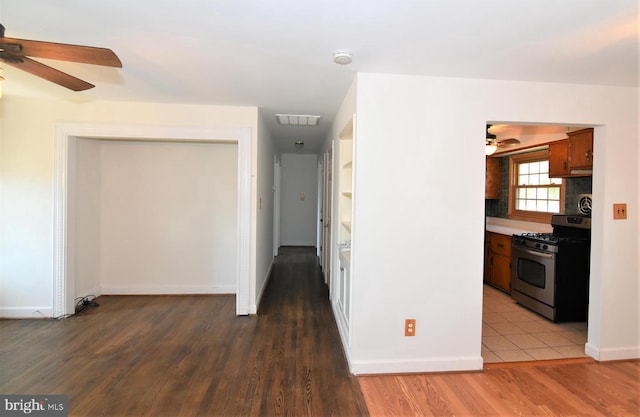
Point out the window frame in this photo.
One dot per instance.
(534, 216)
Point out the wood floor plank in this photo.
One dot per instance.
(574, 389)
(190, 356)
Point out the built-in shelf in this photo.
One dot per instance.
(341, 279)
(346, 180)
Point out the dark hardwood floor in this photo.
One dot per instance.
(190, 355)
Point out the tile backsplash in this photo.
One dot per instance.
(573, 188)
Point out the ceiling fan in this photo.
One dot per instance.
(492, 143)
(17, 53)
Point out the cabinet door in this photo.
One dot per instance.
(492, 178)
(558, 158)
(501, 272)
(581, 149)
(501, 244)
(487, 257)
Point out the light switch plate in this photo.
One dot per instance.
(620, 211)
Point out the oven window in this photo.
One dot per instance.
(533, 273)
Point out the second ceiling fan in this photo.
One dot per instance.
(492, 143)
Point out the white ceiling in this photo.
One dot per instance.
(277, 54)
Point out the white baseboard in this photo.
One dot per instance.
(417, 365)
(169, 290)
(47, 312)
(95, 291)
(612, 354)
(26, 312)
(253, 308)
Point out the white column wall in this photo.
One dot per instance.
(265, 211)
(419, 208)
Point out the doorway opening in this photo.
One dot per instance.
(66, 137)
(510, 331)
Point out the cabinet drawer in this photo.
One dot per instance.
(501, 244)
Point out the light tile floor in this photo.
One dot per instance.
(511, 333)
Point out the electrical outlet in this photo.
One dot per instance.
(410, 327)
(620, 211)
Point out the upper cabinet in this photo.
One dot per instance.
(581, 149)
(572, 157)
(559, 158)
(492, 179)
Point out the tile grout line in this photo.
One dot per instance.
(496, 305)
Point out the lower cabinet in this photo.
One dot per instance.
(497, 261)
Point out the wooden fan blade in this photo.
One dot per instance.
(66, 52)
(51, 74)
(509, 141)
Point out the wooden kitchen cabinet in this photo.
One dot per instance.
(572, 157)
(559, 158)
(492, 179)
(498, 261)
(581, 149)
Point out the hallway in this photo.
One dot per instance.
(190, 355)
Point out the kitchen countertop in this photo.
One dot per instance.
(510, 227)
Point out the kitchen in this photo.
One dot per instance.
(536, 283)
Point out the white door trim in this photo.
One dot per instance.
(64, 162)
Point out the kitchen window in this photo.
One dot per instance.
(533, 195)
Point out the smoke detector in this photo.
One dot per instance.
(342, 57)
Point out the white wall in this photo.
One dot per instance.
(265, 210)
(167, 217)
(87, 196)
(26, 182)
(419, 207)
(299, 199)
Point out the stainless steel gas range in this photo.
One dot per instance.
(550, 271)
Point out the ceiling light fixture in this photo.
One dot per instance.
(298, 145)
(298, 119)
(342, 57)
(490, 149)
(490, 145)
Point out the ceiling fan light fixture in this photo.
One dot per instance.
(490, 149)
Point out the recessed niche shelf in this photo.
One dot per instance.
(346, 179)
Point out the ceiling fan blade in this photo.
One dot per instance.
(509, 141)
(51, 74)
(65, 52)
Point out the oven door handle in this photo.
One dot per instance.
(541, 254)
